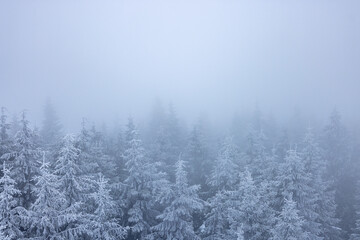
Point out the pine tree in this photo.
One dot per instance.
(9, 210)
(356, 231)
(225, 171)
(197, 155)
(176, 220)
(250, 209)
(67, 169)
(339, 171)
(256, 156)
(24, 162)
(143, 185)
(5, 141)
(216, 224)
(50, 217)
(224, 178)
(104, 225)
(296, 181)
(320, 211)
(289, 223)
(51, 129)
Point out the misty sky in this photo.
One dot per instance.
(107, 59)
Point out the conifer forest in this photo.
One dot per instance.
(180, 120)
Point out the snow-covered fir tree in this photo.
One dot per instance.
(289, 223)
(249, 210)
(256, 156)
(104, 225)
(356, 231)
(143, 185)
(296, 181)
(224, 174)
(23, 160)
(50, 218)
(196, 153)
(51, 128)
(176, 220)
(10, 212)
(72, 182)
(319, 213)
(216, 224)
(5, 141)
(223, 178)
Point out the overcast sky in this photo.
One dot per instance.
(106, 59)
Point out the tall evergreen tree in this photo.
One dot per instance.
(24, 162)
(176, 220)
(296, 181)
(223, 178)
(249, 210)
(9, 210)
(356, 231)
(51, 129)
(67, 169)
(142, 186)
(289, 223)
(50, 217)
(197, 155)
(104, 225)
(321, 210)
(339, 170)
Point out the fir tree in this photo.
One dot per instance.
(320, 213)
(225, 171)
(50, 217)
(9, 210)
(250, 209)
(67, 169)
(289, 223)
(51, 129)
(24, 162)
(104, 225)
(143, 185)
(176, 220)
(296, 181)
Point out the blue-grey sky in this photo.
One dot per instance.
(102, 59)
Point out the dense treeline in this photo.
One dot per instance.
(256, 181)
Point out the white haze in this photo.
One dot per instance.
(109, 59)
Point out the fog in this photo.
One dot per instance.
(111, 59)
(180, 119)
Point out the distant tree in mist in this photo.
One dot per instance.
(51, 130)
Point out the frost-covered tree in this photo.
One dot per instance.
(197, 155)
(51, 129)
(223, 178)
(166, 141)
(176, 220)
(24, 162)
(216, 224)
(356, 231)
(104, 225)
(4, 136)
(249, 210)
(50, 219)
(319, 212)
(93, 158)
(225, 171)
(255, 156)
(289, 223)
(5, 140)
(340, 171)
(142, 186)
(9, 210)
(67, 168)
(296, 181)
